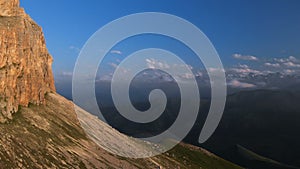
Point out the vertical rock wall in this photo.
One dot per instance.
(25, 64)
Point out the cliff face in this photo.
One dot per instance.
(11, 8)
(25, 64)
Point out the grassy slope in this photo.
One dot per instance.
(50, 136)
(187, 156)
(261, 161)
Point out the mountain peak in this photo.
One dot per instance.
(10, 8)
(25, 64)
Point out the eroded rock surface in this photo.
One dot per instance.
(25, 64)
(11, 8)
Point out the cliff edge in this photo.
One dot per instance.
(25, 63)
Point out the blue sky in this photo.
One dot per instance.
(262, 29)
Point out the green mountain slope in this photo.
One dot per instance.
(50, 136)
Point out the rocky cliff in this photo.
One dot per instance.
(25, 64)
(11, 8)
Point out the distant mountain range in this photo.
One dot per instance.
(263, 118)
(235, 81)
(265, 121)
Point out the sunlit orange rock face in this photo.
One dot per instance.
(25, 64)
(10, 8)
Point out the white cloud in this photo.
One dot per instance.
(275, 65)
(245, 57)
(113, 65)
(118, 52)
(293, 59)
(265, 72)
(288, 59)
(245, 71)
(106, 77)
(155, 64)
(122, 69)
(214, 70)
(243, 66)
(199, 74)
(291, 64)
(288, 71)
(237, 84)
(280, 60)
(186, 76)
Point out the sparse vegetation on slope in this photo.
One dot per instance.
(50, 136)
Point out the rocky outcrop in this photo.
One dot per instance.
(25, 64)
(11, 8)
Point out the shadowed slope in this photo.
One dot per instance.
(50, 136)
